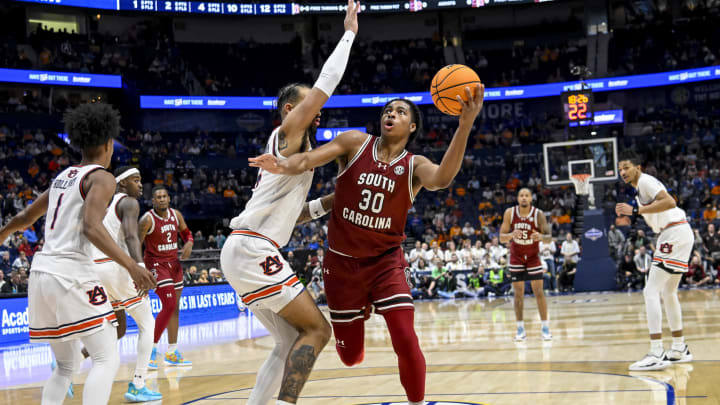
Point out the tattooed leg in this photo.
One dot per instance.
(297, 369)
(314, 333)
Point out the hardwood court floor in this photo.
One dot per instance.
(470, 354)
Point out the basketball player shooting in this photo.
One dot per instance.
(251, 259)
(66, 300)
(159, 229)
(524, 226)
(365, 265)
(673, 248)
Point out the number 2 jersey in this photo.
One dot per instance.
(372, 199)
(67, 252)
(161, 240)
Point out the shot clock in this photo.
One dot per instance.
(577, 106)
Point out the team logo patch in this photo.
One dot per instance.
(408, 276)
(97, 295)
(666, 248)
(72, 173)
(593, 234)
(399, 170)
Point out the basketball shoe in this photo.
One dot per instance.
(650, 362)
(176, 359)
(143, 394)
(153, 365)
(520, 335)
(546, 335)
(678, 356)
(71, 390)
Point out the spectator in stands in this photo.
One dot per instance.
(5, 265)
(641, 240)
(30, 236)
(476, 282)
(450, 252)
(628, 274)
(468, 231)
(190, 276)
(497, 281)
(216, 276)
(15, 285)
(711, 241)
(616, 240)
(416, 254)
(570, 250)
(21, 262)
(496, 250)
(220, 239)
(200, 241)
(317, 288)
(2, 280)
(24, 247)
(696, 275)
(710, 213)
(547, 254)
(203, 279)
(434, 252)
(566, 278)
(446, 284)
(642, 260)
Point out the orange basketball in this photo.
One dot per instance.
(448, 83)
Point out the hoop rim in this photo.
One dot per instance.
(581, 177)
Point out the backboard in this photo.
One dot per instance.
(597, 157)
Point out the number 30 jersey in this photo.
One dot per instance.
(67, 252)
(372, 199)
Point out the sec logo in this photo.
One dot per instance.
(399, 170)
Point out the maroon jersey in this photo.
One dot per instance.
(372, 199)
(161, 240)
(524, 247)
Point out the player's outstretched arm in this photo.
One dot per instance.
(26, 217)
(505, 234)
(316, 208)
(100, 189)
(292, 129)
(144, 226)
(346, 144)
(435, 177)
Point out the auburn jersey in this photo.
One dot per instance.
(524, 246)
(372, 199)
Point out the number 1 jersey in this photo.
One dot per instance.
(372, 199)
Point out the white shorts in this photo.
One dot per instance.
(118, 284)
(62, 309)
(673, 248)
(258, 272)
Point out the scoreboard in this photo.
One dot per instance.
(289, 8)
(577, 106)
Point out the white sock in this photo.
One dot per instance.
(678, 343)
(279, 402)
(172, 348)
(545, 324)
(656, 347)
(146, 325)
(138, 381)
(416, 403)
(521, 324)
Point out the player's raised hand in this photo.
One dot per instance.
(351, 20)
(472, 107)
(266, 162)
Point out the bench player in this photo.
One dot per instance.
(159, 229)
(66, 300)
(251, 259)
(365, 266)
(673, 248)
(524, 226)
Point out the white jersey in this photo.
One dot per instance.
(67, 252)
(276, 202)
(648, 188)
(113, 224)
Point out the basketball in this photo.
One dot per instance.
(448, 83)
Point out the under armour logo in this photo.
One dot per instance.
(341, 343)
(169, 295)
(326, 270)
(382, 165)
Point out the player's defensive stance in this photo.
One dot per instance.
(251, 259)
(365, 265)
(671, 257)
(66, 300)
(121, 221)
(524, 226)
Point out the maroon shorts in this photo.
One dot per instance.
(525, 268)
(167, 272)
(352, 286)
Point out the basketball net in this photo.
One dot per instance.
(582, 187)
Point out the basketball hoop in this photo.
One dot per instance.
(582, 183)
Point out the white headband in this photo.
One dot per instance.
(127, 173)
